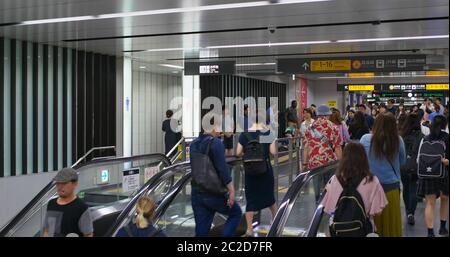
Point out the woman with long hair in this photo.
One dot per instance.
(386, 152)
(354, 170)
(343, 129)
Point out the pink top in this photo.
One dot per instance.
(372, 194)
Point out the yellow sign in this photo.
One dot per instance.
(362, 74)
(361, 87)
(437, 73)
(332, 103)
(331, 65)
(437, 86)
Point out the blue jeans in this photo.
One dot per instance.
(205, 207)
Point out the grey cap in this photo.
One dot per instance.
(66, 175)
(323, 110)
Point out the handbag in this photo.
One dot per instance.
(204, 174)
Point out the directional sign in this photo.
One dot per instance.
(353, 64)
(210, 68)
(389, 87)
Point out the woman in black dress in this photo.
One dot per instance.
(259, 190)
(171, 137)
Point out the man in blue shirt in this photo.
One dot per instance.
(437, 111)
(205, 204)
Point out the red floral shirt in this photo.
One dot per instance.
(318, 150)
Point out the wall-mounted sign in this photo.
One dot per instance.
(353, 64)
(210, 68)
(102, 177)
(332, 103)
(130, 180)
(149, 172)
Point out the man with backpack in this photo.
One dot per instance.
(432, 169)
(212, 186)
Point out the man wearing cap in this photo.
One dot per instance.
(322, 144)
(67, 215)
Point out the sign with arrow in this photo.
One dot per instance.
(388, 63)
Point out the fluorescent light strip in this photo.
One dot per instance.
(382, 76)
(270, 44)
(255, 64)
(301, 43)
(390, 39)
(167, 11)
(172, 66)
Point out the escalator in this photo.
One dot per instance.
(300, 213)
(174, 214)
(102, 186)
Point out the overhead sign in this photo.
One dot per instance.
(437, 86)
(401, 87)
(130, 180)
(210, 68)
(357, 87)
(361, 87)
(395, 87)
(361, 75)
(353, 64)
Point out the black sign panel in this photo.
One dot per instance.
(402, 87)
(210, 68)
(387, 63)
(390, 87)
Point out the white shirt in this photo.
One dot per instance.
(305, 125)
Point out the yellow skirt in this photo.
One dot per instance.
(389, 222)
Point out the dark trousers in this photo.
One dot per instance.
(409, 182)
(205, 207)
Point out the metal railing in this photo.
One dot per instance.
(91, 151)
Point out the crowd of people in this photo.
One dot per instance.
(385, 153)
(394, 140)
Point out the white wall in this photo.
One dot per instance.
(17, 191)
(152, 93)
(323, 91)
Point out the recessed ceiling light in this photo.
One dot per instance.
(390, 39)
(166, 11)
(142, 67)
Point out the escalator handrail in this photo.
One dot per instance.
(167, 200)
(151, 183)
(290, 198)
(14, 221)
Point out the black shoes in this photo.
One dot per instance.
(443, 232)
(411, 220)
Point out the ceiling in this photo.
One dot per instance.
(191, 30)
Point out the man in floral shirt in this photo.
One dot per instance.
(322, 145)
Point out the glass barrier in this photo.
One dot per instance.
(101, 184)
(177, 220)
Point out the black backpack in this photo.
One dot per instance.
(429, 161)
(254, 157)
(204, 174)
(350, 218)
(412, 143)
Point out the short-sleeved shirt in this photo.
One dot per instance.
(140, 232)
(292, 114)
(73, 217)
(372, 194)
(319, 150)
